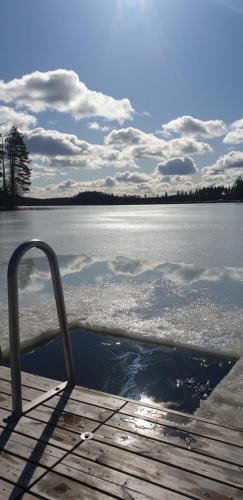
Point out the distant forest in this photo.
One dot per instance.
(200, 195)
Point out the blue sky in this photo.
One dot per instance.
(136, 96)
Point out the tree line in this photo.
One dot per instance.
(15, 181)
(199, 195)
(15, 173)
(209, 194)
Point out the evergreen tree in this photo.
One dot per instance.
(237, 188)
(19, 171)
(2, 168)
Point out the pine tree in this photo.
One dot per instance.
(19, 171)
(2, 165)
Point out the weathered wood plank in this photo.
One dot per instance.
(176, 437)
(4, 372)
(54, 486)
(28, 496)
(157, 473)
(45, 383)
(8, 490)
(28, 393)
(5, 401)
(47, 433)
(187, 424)
(178, 457)
(30, 380)
(63, 419)
(159, 406)
(30, 449)
(78, 393)
(97, 398)
(112, 481)
(79, 408)
(19, 471)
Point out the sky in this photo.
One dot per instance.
(124, 96)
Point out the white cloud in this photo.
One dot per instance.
(177, 166)
(126, 182)
(143, 145)
(61, 90)
(131, 177)
(120, 183)
(53, 143)
(121, 149)
(190, 126)
(61, 150)
(224, 170)
(188, 145)
(233, 159)
(10, 117)
(237, 123)
(98, 127)
(235, 134)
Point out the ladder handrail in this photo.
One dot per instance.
(13, 309)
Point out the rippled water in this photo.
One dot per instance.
(167, 376)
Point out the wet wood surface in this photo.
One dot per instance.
(136, 451)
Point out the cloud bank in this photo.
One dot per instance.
(61, 90)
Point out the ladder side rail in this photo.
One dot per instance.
(13, 308)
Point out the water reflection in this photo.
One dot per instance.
(176, 272)
(170, 284)
(174, 301)
(26, 270)
(135, 370)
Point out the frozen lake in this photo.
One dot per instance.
(173, 273)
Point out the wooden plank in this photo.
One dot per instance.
(19, 471)
(111, 481)
(176, 437)
(63, 419)
(79, 408)
(47, 433)
(162, 452)
(188, 424)
(4, 372)
(5, 401)
(78, 393)
(28, 496)
(30, 380)
(54, 486)
(160, 406)
(28, 393)
(97, 398)
(8, 490)
(55, 417)
(157, 473)
(44, 384)
(30, 449)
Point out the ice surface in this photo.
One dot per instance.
(225, 403)
(168, 274)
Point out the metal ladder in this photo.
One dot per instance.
(14, 338)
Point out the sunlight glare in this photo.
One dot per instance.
(122, 4)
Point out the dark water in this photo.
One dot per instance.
(175, 378)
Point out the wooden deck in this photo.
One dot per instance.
(137, 451)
